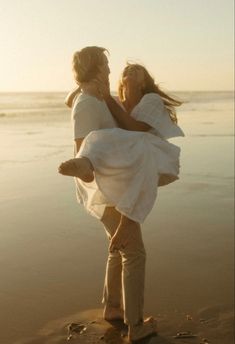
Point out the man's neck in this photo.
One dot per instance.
(91, 89)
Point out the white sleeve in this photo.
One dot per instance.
(151, 110)
(86, 118)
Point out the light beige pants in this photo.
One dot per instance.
(125, 271)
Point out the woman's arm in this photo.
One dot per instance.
(70, 97)
(123, 118)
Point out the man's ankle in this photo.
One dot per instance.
(113, 312)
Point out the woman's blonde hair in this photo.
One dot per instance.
(86, 63)
(150, 86)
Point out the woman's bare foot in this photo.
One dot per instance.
(112, 313)
(78, 167)
(146, 328)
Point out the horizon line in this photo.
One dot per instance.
(66, 91)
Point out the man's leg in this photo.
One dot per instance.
(133, 276)
(112, 296)
(125, 274)
(128, 239)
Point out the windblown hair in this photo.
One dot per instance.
(151, 87)
(86, 63)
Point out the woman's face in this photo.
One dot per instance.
(133, 80)
(133, 75)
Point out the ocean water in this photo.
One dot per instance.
(52, 103)
(32, 104)
(28, 122)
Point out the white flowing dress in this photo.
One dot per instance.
(130, 165)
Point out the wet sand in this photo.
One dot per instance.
(51, 249)
(210, 325)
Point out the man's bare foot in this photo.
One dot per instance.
(146, 328)
(78, 167)
(111, 313)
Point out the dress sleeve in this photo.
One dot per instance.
(151, 110)
(86, 118)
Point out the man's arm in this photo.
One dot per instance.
(78, 143)
(123, 118)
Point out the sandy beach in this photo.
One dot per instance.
(51, 249)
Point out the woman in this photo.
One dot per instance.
(125, 272)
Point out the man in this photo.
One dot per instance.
(125, 271)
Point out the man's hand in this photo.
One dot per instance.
(103, 86)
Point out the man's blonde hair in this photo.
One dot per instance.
(86, 63)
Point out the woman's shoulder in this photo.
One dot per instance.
(151, 99)
(150, 102)
(152, 95)
(150, 110)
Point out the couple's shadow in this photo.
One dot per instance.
(117, 334)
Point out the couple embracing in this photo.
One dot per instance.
(121, 158)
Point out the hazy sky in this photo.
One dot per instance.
(186, 44)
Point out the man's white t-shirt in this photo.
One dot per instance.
(90, 113)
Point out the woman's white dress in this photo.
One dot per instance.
(130, 165)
